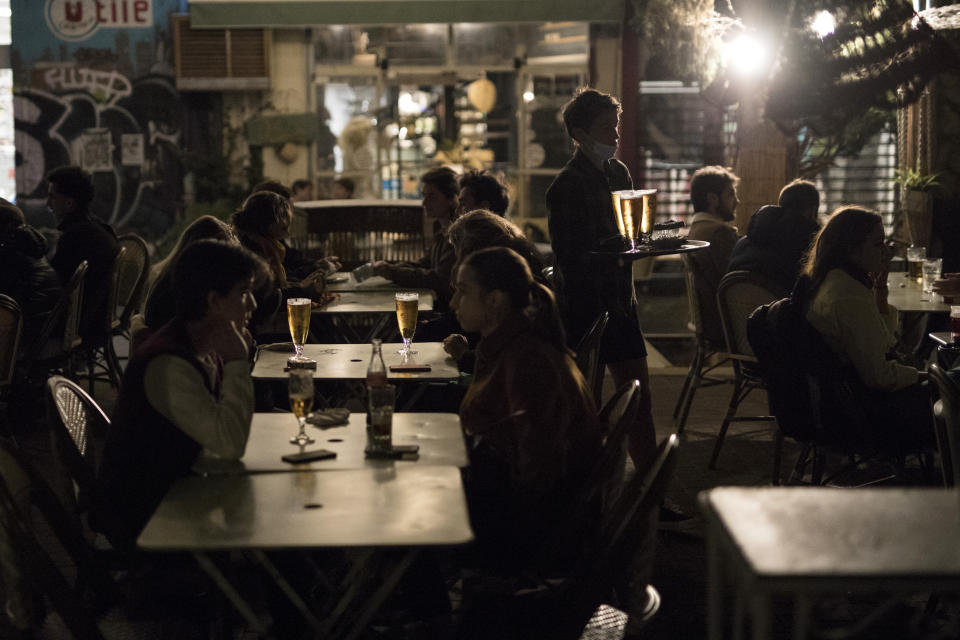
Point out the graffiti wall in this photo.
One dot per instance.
(94, 86)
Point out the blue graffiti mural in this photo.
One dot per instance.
(105, 100)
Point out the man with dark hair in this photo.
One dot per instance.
(778, 236)
(186, 390)
(713, 191)
(483, 190)
(343, 188)
(440, 188)
(25, 274)
(83, 237)
(301, 191)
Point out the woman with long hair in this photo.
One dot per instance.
(844, 290)
(528, 414)
(158, 309)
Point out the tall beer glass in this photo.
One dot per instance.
(407, 306)
(301, 402)
(298, 317)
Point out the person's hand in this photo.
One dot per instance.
(456, 345)
(381, 268)
(328, 265)
(948, 285)
(232, 343)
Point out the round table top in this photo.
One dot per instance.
(647, 251)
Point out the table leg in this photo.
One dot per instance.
(387, 585)
(760, 616)
(714, 588)
(230, 592)
(802, 605)
(287, 590)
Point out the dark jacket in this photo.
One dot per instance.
(26, 276)
(86, 238)
(532, 428)
(144, 452)
(433, 271)
(775, 244)
(581, 218)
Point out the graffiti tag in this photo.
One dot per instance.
(105, 86)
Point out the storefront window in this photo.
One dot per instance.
(491, 45)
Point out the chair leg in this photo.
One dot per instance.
(693, 381)
(777, 455)
(683, 391)
(91, 370)
(113, 363)
(799, 468)
(819, 464)
(735, 399)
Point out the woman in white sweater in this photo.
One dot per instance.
(846, 285)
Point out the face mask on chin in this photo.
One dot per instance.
(599, 152)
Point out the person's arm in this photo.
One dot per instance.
(176, 389)
(865, 339)
(435, 277)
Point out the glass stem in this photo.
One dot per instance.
(303, 425)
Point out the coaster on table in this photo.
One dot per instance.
(329, 417)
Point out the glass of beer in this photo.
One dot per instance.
(298, 317)
(624, 206)
(301, 402)
(915, 257)
(407, 305)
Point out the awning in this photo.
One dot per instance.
(303, 13)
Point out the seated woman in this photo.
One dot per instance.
(844, 288)
(434, 271)
(529, 417)
(476, 230)
(159, 307)
(186, 389)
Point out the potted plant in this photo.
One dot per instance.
(916, 202)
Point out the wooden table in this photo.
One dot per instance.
(906, 295)
(399, 507)
(438, 434)
(807, 541)
(349, 362)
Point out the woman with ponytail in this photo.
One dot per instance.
(528, 415)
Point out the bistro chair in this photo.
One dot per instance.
(588, 355)
(567, 609)
(133, 270)
(948, 414)
(739, 293)
(59, 338)
(709, 354)
(11, 327)
(100, 353)
(80, 429)
(29, 571)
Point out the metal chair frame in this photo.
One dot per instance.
(11, 321)
(131, 291)
(64, 317)
(588, 355)
(100, 353)
(698, 374)
(745, 376)
(949, 414)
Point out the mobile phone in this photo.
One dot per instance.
(308, 456)
(395, 452)
(409, 368)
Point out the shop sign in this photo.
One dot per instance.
(76, 20)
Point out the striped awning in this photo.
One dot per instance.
(304, 13)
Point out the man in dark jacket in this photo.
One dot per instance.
(83, 237)
(25, 274)
(778, 236)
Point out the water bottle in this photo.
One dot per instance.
(376, 373)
